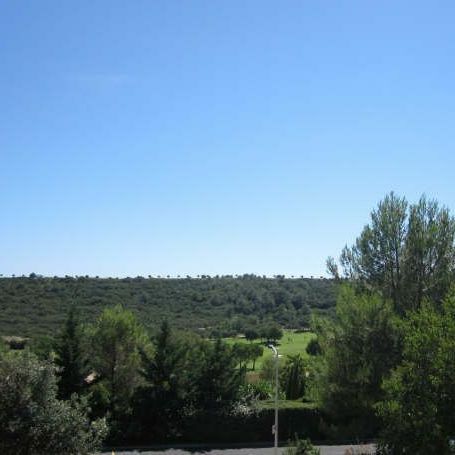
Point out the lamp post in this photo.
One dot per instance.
(275, 427)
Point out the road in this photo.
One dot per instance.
(325, 450)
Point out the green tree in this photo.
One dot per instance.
(417, 411)
(241, 353)
(313, 347)
(430, 254)
(117, 339)
(70, 358)
(267, 372)
(254, 352)
(360, 348)
(251, 334)
(293, 377)
(215, 378)
(247, 352)
(160, 402)
(32, 419)
(271, 333)
(406, 252)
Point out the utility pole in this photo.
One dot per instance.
(275, 427)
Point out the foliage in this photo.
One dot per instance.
(254, 427)
(256, 351)
(160, 401)
(271, 333)
(359, 348)
(293, 377)
(70, 358)
(31, 306)
(32, 420)
(261, 390)
(43, 346)
(420, 395)
(301, 447)
(251, 334)
(285, 404)
(313, 348)
(116, 340)
(247, 352)
(267, 372)
(406, 252)
(214, 377)
(293, 342)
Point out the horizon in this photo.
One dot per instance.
(34, 275)
(172, 138)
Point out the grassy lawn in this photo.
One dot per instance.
(291, 343)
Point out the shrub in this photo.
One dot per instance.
(261, 390)
(313, 347)
(33, 420)
(301, 447)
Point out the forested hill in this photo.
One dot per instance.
(37, 305)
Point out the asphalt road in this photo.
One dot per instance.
(325, 450)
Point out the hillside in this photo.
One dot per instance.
(37, 305)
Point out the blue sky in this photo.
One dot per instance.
(215, 137)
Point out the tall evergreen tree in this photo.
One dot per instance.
(159, 403)
(216, 380)
(70, 358)
(293, 377)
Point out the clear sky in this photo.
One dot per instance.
(215, 137)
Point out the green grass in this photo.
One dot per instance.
(292, 343)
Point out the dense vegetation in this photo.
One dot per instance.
(160, 388)
(37, 305)
(380, 366)
(32, 419)
(387, 356)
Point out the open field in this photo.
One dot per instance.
(292, 343)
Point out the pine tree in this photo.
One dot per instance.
(159, 403)
(217, 380)
(70, 359)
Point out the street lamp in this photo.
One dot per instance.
(275, 427)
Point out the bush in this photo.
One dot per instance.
(209, 427)
(301, 447)
(293, 377)
(313, 347)
(417, 412)
(267, 372)
(261, 390)
(33, 420)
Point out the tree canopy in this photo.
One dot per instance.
(359, 349)
(32, 419)
(406, 252)
(417, 411)
(70, 359)
(35, 305)
(117, 338)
